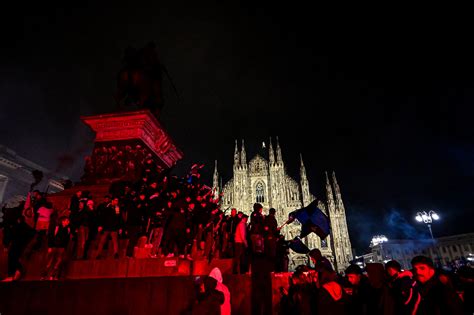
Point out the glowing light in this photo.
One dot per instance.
(427, 217)
(378, 239)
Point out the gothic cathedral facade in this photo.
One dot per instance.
(264, 180)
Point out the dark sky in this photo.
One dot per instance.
(385, 102)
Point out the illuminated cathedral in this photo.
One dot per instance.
(264, 179)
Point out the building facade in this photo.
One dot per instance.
(447, 250)
(16, 178)
(264, 179)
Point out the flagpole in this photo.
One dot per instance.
(287, 222)
(331, 243)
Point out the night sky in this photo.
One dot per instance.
(386, 102)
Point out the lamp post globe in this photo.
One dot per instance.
(427, 217)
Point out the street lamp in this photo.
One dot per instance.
(427, 218)
(379, 240)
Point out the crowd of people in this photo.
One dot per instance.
(177, 217)
(112, 161)
(181, 217)
(379, 289)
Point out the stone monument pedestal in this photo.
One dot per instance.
(125, 143)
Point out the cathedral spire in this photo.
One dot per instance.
(342, 243)
(278, 153)
(329, 194)
(337, 193)
(236, 155)
(215, 180)
(271, 154)
(243, 155)
(302, 169)
(216, 174)
(334, 182)
(305, 194)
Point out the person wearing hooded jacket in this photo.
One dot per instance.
(331, 296)
(225, 307)
(211, 299)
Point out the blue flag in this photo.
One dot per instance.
(312, 219)
(298, 246)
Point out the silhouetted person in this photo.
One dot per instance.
(331, 297)
(318, 260)
(211, 300)
(230, 226)
(135, 215)
(18, 238)
(270, 235)
(240, 245)
(358, 291)
(74, 202)
(221, 287)
(58, 240)
(110, 223)
(436, 298)
(282, 251)
(400, 294)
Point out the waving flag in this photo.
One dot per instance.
(298, 246)
(312, 219)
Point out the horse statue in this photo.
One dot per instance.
(139, 82)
